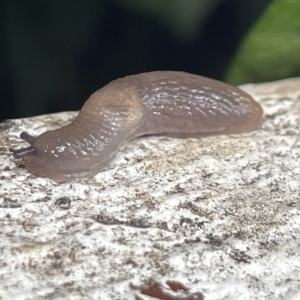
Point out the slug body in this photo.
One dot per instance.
(161, 102)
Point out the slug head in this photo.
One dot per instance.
(57, 158)
(36, 162)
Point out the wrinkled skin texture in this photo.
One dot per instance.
(162, 102)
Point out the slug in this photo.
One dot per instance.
(161, 102)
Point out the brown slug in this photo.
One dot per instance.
(161, 102)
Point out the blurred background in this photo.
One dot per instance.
(54, 54)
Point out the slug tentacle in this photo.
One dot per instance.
(23, 152)
(161, 102)
(27, 137)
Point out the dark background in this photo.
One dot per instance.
(54, 54)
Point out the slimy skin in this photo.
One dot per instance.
(162, 102)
